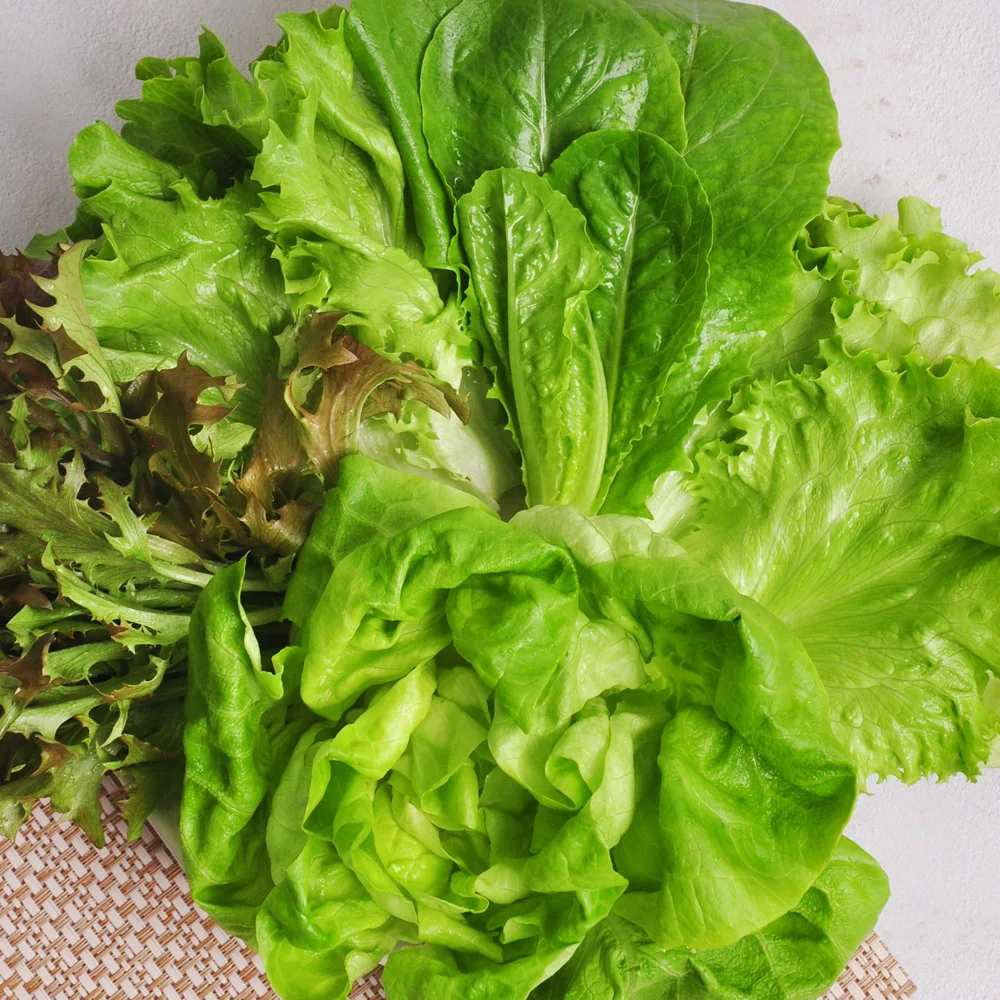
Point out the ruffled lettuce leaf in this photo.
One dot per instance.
(343, 524)
(177, 121)
(858, 504)
(891, 285)
(175, 273)
(695, 873)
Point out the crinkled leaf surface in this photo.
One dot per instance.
(532, 268)
(650, 222)
(859, 506)
(176, 273)
(890, 285)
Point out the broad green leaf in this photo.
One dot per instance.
(284, 836)
(699, 877)
(319, 183)
(333, 204)
(444, 741)
(233, 707)
(374, 742)
(511, 83)
(388, 43)
(532, 268)
(649, 219)
(797, 957)
(762, 130)
(860, 508)
(370, 502)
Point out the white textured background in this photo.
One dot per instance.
(917, 82)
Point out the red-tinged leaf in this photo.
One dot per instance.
(171, 418)
(354, 383)
(29, 671)
(283, 531)
(18, 288)
(278, 458)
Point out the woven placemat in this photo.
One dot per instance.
(81, 924)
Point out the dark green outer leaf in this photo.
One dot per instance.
(511, 83)
(649, 218)
(762, 129)
(389, 48)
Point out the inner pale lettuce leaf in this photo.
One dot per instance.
(858, 504)
(478, 456)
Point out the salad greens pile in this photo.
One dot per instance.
(475, 457)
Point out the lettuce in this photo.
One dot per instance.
(476, 464)
(865, 493)
(515, 731)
